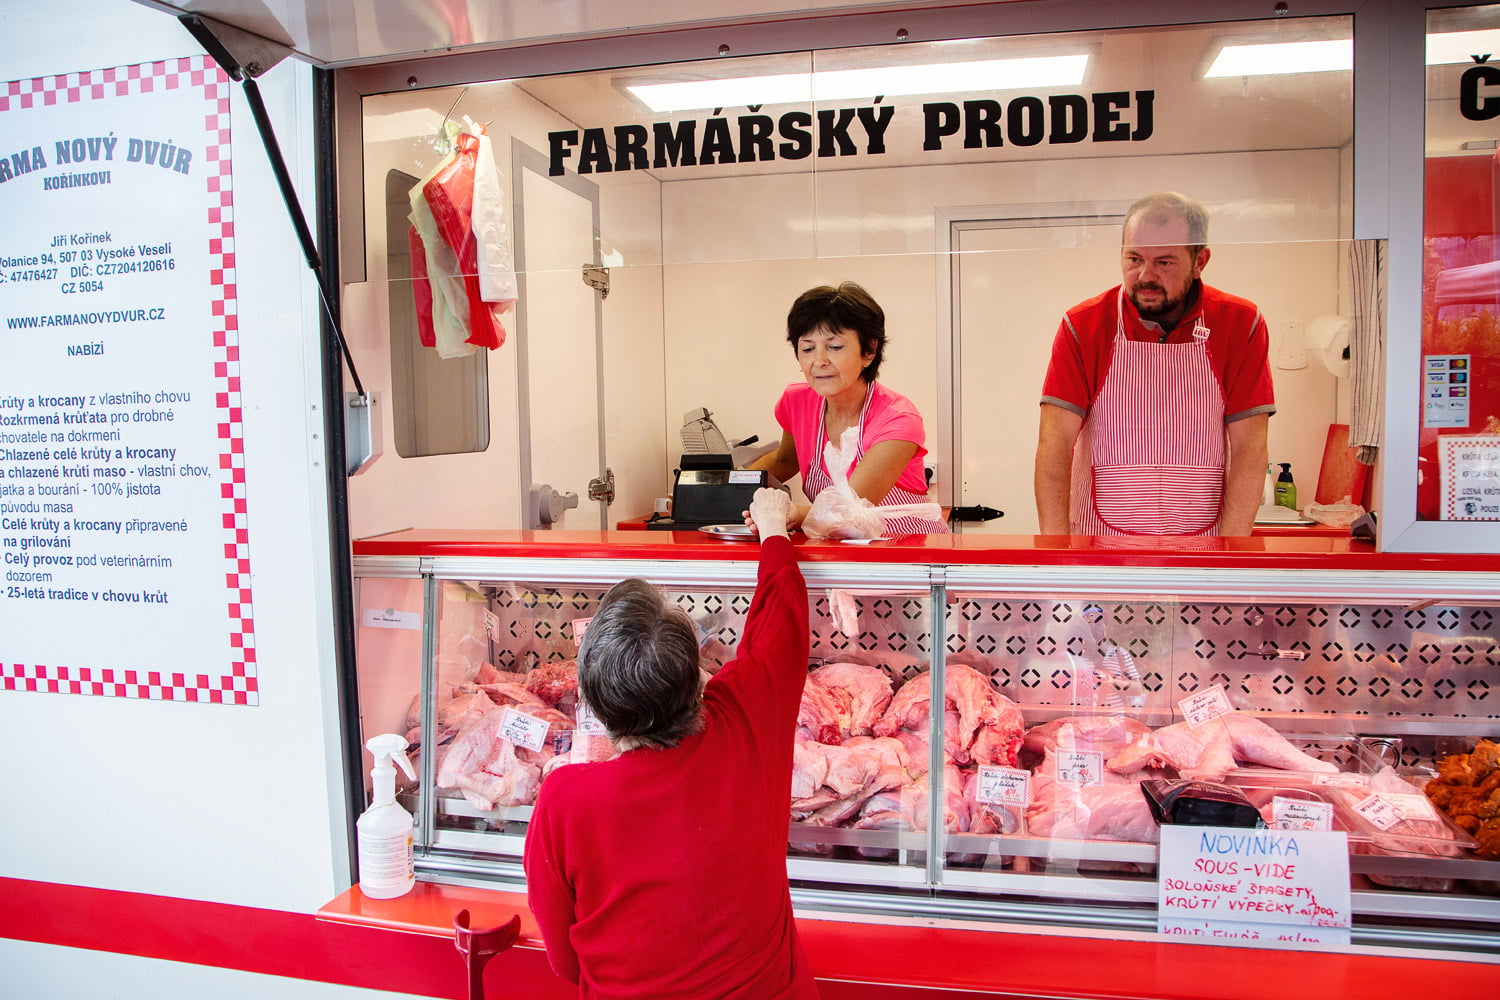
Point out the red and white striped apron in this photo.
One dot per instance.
(1150, 456)
(817, 480)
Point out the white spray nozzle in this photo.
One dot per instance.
(389, 747)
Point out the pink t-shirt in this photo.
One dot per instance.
(889, 416)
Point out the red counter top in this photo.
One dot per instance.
(923, 959)
(953, 550)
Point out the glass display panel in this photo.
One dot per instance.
(1458, 455)
(943, 176)
(1327, 702)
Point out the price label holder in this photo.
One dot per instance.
(580, 627)
(1225, 885)
(588, 722)
(1006, 786)
(523, 730)
(492, 625)
(1080, 767)
(1205, 706)
(391, 618)
(1412, 806)
(1380, 811)
(1300, 814)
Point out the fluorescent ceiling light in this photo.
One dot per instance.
(1338, 54)
(843, 84)
(1283, 57)
(1462, 46)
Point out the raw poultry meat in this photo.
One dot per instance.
(1108, 734)
(891, 752)
(485, 768)
(555, 683)
(905, 807)
(505, 693)
(818, 715)
(860, 693)
(1205, 752)
(988, 727)
(809, 771)
(1112, 809)
(1212, 749)
(490, 674)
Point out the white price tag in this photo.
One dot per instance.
(1080, 767)
(1300, 814)
(1414, 806)
(1380, 811)
(492, 625)
(523, 730)
(580, 626)
(1341, 780)
(588, 722)
(744, 476)
(391, 618)
(1205, 706)
(1007, 786)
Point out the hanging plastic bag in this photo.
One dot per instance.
(421, 288)
(497, 275)
(1335, 515)
(450, 196)
(449, 301)
(840, 513)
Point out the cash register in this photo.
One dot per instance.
(710, 484)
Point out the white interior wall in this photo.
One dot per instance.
(1276, 217)
(230, 804)
(482, 490)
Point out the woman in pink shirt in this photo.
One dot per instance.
(838, 335)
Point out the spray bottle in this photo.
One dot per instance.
(1286, 490)
(385, 854)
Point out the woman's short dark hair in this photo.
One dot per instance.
(847, 307)
(638, 666)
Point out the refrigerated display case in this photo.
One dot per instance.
(1029, 667)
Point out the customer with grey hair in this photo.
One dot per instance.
(662, 873)
(1158, 395)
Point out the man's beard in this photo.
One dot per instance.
(1168, 304)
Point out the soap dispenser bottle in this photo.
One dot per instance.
(384, 830)
(1286, 490)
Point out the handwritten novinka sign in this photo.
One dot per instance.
(1222, 884)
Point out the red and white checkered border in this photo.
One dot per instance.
(239, 686)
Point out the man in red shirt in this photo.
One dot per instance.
(1158, 394)
(662, 873)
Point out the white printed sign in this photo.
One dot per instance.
(1300, 814)
(1380, 811)
(1469, 477)
(391, 618)
(1205, 706)
(1007, 786)
(1230, 883)
(122, 462)
(580, 628)
(523, 730)
(588, 722)
(1412, 806)
(1080, 767)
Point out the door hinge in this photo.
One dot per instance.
(597, 278)
(603, 488)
